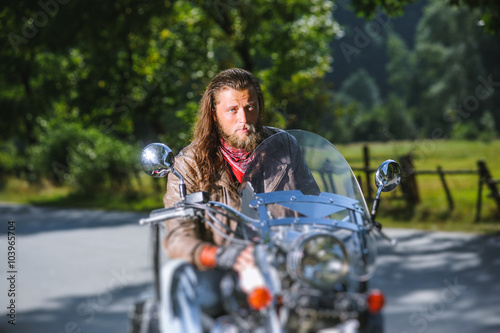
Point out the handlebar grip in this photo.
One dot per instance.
(160, 215)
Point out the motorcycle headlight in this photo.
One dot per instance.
(319, 259)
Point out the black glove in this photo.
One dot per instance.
(226, 256)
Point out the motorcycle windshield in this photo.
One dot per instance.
(298, 160)
(300, 185)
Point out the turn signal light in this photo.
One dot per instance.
(259, 298)
(375, 301)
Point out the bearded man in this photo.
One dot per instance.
(228, 130)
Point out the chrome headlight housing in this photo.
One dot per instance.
(318, 259)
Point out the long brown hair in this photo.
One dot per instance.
(205, 136)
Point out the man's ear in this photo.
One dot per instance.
(214, 115)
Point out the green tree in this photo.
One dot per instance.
(490, 9)
(358, 95)
(436, 76)
(135, 70)
(487, 127)
(400, 66)
(396, 119)
(448, 61)
(360, 88)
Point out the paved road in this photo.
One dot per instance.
(77, 270)
(80, 271)
(440, 282)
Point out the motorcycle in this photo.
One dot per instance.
(314, 243)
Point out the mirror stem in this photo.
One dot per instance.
(376, 202)
(182, 190)
(182, 186)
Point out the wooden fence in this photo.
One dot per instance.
(409, 184)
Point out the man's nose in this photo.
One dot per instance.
(242, 116)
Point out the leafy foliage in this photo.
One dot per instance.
(133, 71)
(135, 67)
(490, 9)
(83, 84)
(83, 158)
(444, 78)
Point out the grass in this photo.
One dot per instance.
(432, 213)
(144, 197)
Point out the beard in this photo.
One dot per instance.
(253, 139)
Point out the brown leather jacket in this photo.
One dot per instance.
(184, 238)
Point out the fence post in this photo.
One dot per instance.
(360, 182)
(408, 180)
(366, 156)
(479, 195)
(451, 205)
(485, 178)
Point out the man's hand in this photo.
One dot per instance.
(235, 256)
(245, 259)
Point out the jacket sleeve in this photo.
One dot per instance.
(302, 175)
(182, 240)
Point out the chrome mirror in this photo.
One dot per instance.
(388, 176)
(157, 160)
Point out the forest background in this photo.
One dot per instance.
(84, 85)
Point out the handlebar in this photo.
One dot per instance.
(194, 207)
(236, 213)
(192, 210)
(160, 215)
(378, 227)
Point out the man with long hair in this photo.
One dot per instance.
(228, 130)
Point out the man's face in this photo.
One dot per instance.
(236, 114)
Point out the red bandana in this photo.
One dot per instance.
(238, 159)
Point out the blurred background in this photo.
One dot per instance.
(84, 85)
